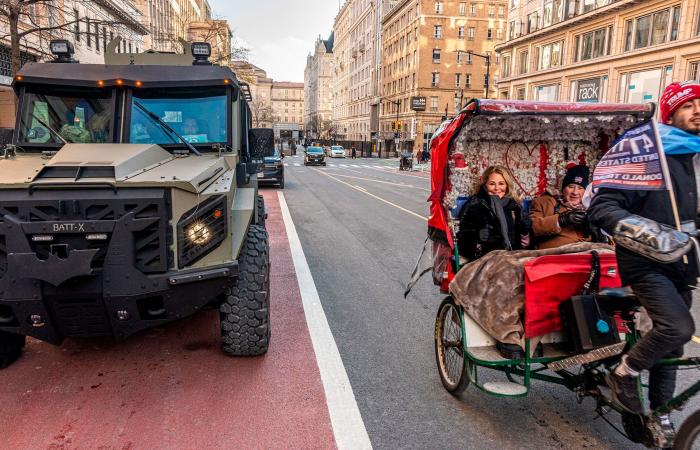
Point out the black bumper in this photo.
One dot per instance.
(74, 287)
(271, 175)
(315, 162)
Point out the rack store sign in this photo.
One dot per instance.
(589, 90)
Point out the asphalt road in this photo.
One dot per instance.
(362, 225)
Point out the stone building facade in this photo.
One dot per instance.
(168, 21)
(355, 69)
(623, 51)
(287, 100)
(427, 71)
(317, 89)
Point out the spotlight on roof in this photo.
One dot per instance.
(201, 52)
(62, 50)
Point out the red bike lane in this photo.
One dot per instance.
(172, 387)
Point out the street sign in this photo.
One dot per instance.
(418, 103)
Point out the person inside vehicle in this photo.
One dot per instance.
(492, 218)
(561, 220)
(663, 288)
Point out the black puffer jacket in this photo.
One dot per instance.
(609, 206)
(480, 230)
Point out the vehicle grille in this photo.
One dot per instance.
(151, 245)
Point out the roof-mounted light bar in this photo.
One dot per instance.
(201, 52)
(63, 51)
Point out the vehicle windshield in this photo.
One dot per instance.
(61, 115)
(198, 115)
(337, 147)
(314, 150)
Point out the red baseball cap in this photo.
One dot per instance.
(675, 95)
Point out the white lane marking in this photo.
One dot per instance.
(348, 427)
(392, 183)
(297, 164)
(364, 191)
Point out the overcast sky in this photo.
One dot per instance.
(280, 33)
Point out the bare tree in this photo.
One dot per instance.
(262, 112)
(33, 22)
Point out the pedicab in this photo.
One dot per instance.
(534, 141)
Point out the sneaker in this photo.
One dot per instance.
(662, 431)
(625, 392)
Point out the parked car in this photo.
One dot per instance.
(337, 151)
(314, 155)
(273, 170)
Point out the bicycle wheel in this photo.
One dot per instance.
(449, 352)
(688, 436)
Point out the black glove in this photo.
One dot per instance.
(575, 218)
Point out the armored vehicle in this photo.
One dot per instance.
(128, 199)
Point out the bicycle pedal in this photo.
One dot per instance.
(587, 358)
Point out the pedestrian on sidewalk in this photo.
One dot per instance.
(354, 152)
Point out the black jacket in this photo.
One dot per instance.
(611, 205)
(480, 229)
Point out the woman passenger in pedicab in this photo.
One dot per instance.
(492, 219)
(559, 220)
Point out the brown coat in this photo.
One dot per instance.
(544, 214)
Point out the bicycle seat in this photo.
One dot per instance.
(619, 299)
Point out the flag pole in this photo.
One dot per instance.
(667, 175)
(667, 181)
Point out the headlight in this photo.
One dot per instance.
(201, 230)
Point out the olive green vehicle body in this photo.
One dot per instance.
(107, 287)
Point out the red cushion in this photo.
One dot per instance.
(551, 280)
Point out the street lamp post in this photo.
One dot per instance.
(487, 57)
(397, 103)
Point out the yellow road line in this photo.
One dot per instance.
(364, 191)
(383, 182)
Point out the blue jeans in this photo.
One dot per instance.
(668, 306)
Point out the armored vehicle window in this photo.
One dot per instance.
(198, 115)
(66, 115)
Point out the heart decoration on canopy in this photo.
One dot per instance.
(523, 163)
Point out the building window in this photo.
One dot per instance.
(469, 57)
(532, 22)
(501, 12)
(505, 68)
(593, 44)
(433, 104)
(549, 55)
(693, 71)
(458, 80)
(547, 13)
(462, 9)
(499, 33)
(492, 11)
(489, 34)
(471, 33)
(437, 31)
(76, 26)
(652, 29)
(644, 86)
(523, 60)
(472, 10)
(460, 32)
(436, 56)
(468, 80)
(460, 57)
(548, 93)
(436, 79)
(88, 36)
(97, 37)
(438, 7)
(104, 39)
(520, 93)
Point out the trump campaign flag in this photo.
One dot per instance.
(635, 161)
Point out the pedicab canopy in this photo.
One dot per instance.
(534, 140)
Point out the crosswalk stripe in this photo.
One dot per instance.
(297, 164)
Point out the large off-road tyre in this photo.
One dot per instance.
(245, 311)
(11, 346)
(449, 351)
(688, 436)
(261, 213)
